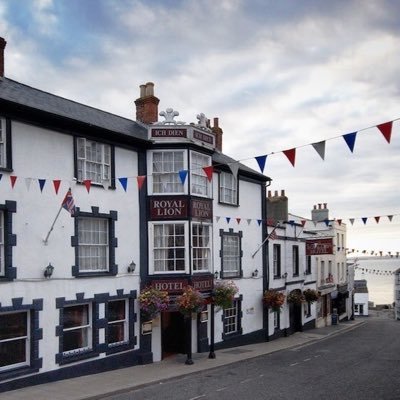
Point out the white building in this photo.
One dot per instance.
(361, 297)
(327, 247)
(146, 213)
(290, 271)
(397, 294)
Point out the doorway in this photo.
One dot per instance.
(172, 334)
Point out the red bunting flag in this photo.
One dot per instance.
(209, 172)
(291, 155)
(238, 220)
(56, 183)
(13, 179)
(386, 130)
(87, 183)
(377, 219)
(339, 222)
(303, 222)
(140, 180)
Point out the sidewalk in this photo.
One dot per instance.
(91, 387)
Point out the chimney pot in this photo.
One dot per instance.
(2, 47)
(315, 206)
(142, 91)
(269, 193)
(325, 204)
(276, 193)
(149, 89)
(282, 192)
(319, 206)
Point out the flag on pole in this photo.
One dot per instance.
(68, 202)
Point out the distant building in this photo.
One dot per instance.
(361, 297)
(397, 294)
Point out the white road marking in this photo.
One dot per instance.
(292, 365)
(198, 397)
(221, 389)
(307, 359)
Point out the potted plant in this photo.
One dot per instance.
(311, 295)
(296, 297)
(190, 301)
(224, 293)
(273, 299)
(152, 301)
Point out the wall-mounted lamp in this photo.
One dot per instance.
(48, 272)
(216, 274)
(254, 274)
(132, 267)
(284, 275)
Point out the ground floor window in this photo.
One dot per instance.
(117, 327)
(19, 338)
(276, 319)
(14, 340)
(77, 328)
(232, 317)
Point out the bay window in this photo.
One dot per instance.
(201, 247)
(165, 172)
(200, 185)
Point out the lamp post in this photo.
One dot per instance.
(212, 354)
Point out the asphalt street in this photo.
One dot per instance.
(362, 363)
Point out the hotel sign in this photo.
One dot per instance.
(168, 133)
(319, 246)
(203, 137)
(176, 286)
(168, 208)
(202, 209)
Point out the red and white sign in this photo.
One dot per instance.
(319, 246)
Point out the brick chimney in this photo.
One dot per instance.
(321, 213)
(277, 206)
(2, 47)
(147, 104)
(218, 134)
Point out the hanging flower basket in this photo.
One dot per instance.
(224, 293)
(273, 299)
(151, 302)
(190, 301)
(311, 295)
(296, 297)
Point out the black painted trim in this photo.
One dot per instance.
(36, 334)
(112, 216)
(10, 240)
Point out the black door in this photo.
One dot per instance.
(295, 318)
(173, 333)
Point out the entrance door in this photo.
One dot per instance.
(294, 317)
(173, 333)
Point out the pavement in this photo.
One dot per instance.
(98, 386)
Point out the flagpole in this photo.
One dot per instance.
(259, 247)
(52, 226)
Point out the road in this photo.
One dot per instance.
(360, 364)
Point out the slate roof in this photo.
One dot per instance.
(21, 94)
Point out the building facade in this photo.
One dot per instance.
(93, 209)
(361, 297)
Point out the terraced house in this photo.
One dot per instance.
(94, 208)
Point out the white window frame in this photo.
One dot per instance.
(199, 183)
(232, 258)
(276, 319)
(277, 261)
(228, 188)
(296, 260)
(165, 176)
(88, 327)
(3, 143)
(95, 264)
(86, 166)
(25, 337)
(231, 319)
(152, 225)
(124, 321)
(205, 249)
(2, 261)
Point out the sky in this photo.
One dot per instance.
(278, 75)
